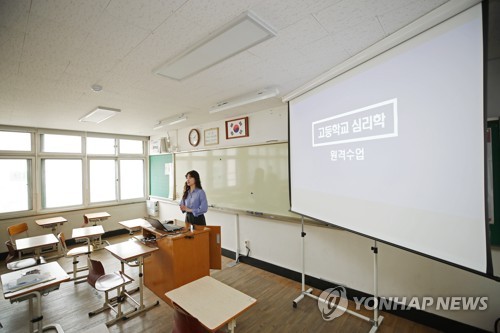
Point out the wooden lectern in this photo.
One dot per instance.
(182, 258)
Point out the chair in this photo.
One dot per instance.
(184, 322)
(17, 231)
(18, 264)
(86, 221)
(75, 253)
(106, 283)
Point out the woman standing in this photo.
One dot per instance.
(194, 200)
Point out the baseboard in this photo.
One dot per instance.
(425, 318)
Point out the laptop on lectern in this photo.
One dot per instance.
(163, 226)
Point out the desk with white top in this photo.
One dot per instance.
(213, 303)
(88, 233)
(53, 223)
(97, 217)
(51, 276)
(133, 251)
(36, 243)
(135, 224)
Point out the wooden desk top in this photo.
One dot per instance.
(36, 241)
(88, 231)
(96, 216)
(48, 222)
(210, 301)
(130, 250)
(135, 223)
(55, 271)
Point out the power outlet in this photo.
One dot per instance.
(247, 244)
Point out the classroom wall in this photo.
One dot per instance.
(339, 256)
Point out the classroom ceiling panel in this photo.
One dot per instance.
(145, 14)
(52, 52)
(14, 15)
(80, 14)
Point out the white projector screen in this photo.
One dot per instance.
(394, 148)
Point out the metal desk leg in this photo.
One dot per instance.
(38, 319)
(38, 255)
(142, 307)
(231, 325)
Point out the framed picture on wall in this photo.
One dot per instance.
(211, 136)
(237, 128)
(155, 146)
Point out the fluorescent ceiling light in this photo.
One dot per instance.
(170, 121)
(239, 35)
(98, 115)
(244, 100)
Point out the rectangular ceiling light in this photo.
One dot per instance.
(239, 35)
(171, 121)
(98, 115)
(244, 100)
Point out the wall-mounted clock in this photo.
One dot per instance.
(194, 137)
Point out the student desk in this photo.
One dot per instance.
(53, 223)
(97, 217)
(36, 243)
(181, 258)
(126, 252)
(134, 225)
(212, 302)
(88, 233)
(55, 276)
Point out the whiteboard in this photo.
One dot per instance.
(253, 179)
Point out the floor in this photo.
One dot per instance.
(273, 312)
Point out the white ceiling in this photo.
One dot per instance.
(52, 51)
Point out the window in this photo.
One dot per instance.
(48, 171)
(15, 141)
(131, 146)
(101, 146)
(55, 143)
(131, 179)
(61, 183)
(102, 177)
(15, 177)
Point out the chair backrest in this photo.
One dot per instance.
(62, 241)
(184, 322)
(17, 229)
(96, 270)
(12, 252)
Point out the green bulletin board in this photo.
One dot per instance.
(161, 175)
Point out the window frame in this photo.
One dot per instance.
(31, 185)
(19, 152)
(36, 156)
(42, 181)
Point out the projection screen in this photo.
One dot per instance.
(394, 148)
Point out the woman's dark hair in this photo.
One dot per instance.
(197, 182)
